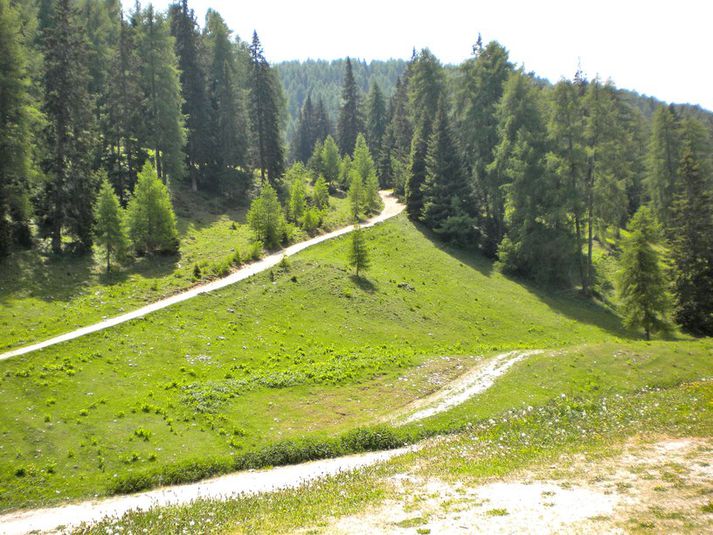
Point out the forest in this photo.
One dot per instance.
(106, 114)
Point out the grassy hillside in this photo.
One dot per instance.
(42, 295)
(307, 353)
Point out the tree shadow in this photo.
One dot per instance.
(470, 258)
(364, 284)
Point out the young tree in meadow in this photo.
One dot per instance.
(195, 109)
(109, 225)
(358, 251)
(150, 216)
(265, 115)
(692, 246)
(15, 132)
(642, 286)
(356, 194)
(68, 195)
(350, 122)
(266, 217)
(164, 130)
(363, 165)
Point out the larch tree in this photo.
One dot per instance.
(265, 104)
(350, 122)
(363, 166)
(642, 285)
(358, 251)
(266, 217)
(663, 160)
(109, 225)
(69, 190)
(330, 161)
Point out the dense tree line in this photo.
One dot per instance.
(90, 92)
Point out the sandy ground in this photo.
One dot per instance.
(391, 208)
(471, 383)
(661, 487)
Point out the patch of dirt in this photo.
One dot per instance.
(660, 487)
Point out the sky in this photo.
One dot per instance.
(658, 48)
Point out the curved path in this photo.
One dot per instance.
(471, 383)
(391, 208)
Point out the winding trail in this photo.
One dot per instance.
(229, 486)
(391, 208)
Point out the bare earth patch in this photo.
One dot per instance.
(660, 487)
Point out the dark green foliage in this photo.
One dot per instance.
(350, 122)
(68, 193)
(266, 218)
(376, 121)
(692, 247)
(184, 30)
(15, 133)
(109, 227)
(663, 161)
(265, 115)
(358, 251)
(416, 173)
(150, 216)
(312, 128)
(642, 287)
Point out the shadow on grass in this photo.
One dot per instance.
(364, 284)
(568, 302)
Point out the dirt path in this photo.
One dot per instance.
(391, 208)
(471, 383)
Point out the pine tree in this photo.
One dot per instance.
(265, 112)
(350, 122)
(642, 287)
(306, 135)
(195, 109)
(358, 251)
(228, 123)
(664, 155)
(15, 133)
(416, 174)
(69, 191)
(445, 190)
(164, 130)
(109, 227)
(266, 217)
(376, 120)
(150, 216)
(692, 246)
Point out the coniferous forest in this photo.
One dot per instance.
(99, 104)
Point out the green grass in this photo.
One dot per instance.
(310, 353)
(43, 295)
(590, 422)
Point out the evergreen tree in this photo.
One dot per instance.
(195, 109)
(416, 174)
(400, 127)
(109, 227)
(298, 193)
(265, 112)
(376, 120)
(322, 122)
(228, 123)
(345, 166)
(358, 251)
(150, 216)
(306, 135)
(356, 194)
(68, 194)
(164, 130)
(330, 161)
(425, 87)
(664, 155)
(266, 218)
(363, 165)
(15, 132)
(692, 246)
(320, 195)
(642, 287)
(445, 190)
(350, 122)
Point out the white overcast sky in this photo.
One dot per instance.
(659, 48)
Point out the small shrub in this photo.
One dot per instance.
(197, 272)
(142, 433)
(255, 250)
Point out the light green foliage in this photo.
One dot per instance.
(642, 286)
(109, 225)
(366, 199)
(344, 172)
(310, 220)
(150, 216)
(358, 251)
(266, 217)
(356, 194)
(320, 194)
(331, 164)
(295, 177)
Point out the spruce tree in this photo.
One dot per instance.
(306, 134)
(265, 114)
(642, 286)
(350, 122)
(322, 122)
(68, 195)
(164, 130)
(150, 217)
(445, 190)
(692, 246)
(195, 109)
(266, 217)
(663, 160)
(416, 173)
(376, 120)
(109, 227)
(15, 133)
(358, 251)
